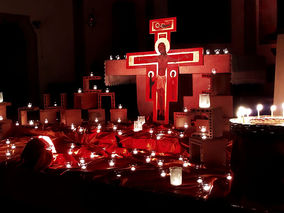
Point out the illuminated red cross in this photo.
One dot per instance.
(162, 67)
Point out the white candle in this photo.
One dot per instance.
(31, 122)
(118, 120)
(29, 105)
(91, 74)
(107, 90)
(176, 176)
(46, 121)
(272, 109)
(119, 106)
(17, 123)
(79, 90)
(259, 107)
(95, 87)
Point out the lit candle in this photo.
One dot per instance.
(217, 51)
(199, 180)
(160, 163)
(119, 106)
(248, 112)
(81, 129)
(82, 160)
(117, 57)
(226, 51)
(1, 118)
(185, 109)
(31, 122)
(72, 146)
(185, 125)
(96, 120)
(133, 168)
(111, 162)
(110, 57)
(92, 155)
(206, 187)
(46, 121)
(8, 141)
(8, 153)
(185, 163)
(17, 123)
(79, 90)
(229, 176)
(213, 71)
(158, 137)
(107, 90)
(169, 131)
(135, 151)
(98, 130)
(113, 155)
(72, 126)
(118, 120)
(259, 107)
(272, 109)
(181, 135)
(207, 52)
(95, 87)
(153, 153)
(70, 152)
(36, 127)
(99, 126)
(203, 137)
(241, 113)
(83, 166)
(29, 105)
(176, 176)
(68, 165)
(204, 100)
(148, 159)
(180, 157)
(13, 146)
(163, 173)
(119, 132)
(203, 129)
(151, 131)
(55, 104)
(114, 127)
(91, 74)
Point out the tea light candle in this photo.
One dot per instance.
(81, 129)
(46, 121)
(160, 163)
(72, 145)
(79, 90)
(29, 105)
(96, 120)
(229, 176)
(119, 132)
(68, 165)
(99, 126)
(1, 118)
(17, 123)
(207, 51)
(118, 120)
(8, 141)
(151, 131)
(148, 159)
(203, 129)
(91, 74)
(169, 131)
(185, 109)
(111, 162)
(72, 126)
(107, 90)
(83, 166)
(199, 180)
(213, 71)
(55, 104)
(203, 137)
(163, 173)
(82, 160)
(95, 87)
(133, 168)
(119, 106)
(176, 176)
(114, 127)
(31, 122)
(13, 146)
(185, 163)
(110, 57)
(181, 135)
(153, 153)
(98, 130)
(272, 109)
(158, 137)
(180, 157)
(92, 155)
(70, 152)
(185, 125)
(8, 153)
(206, 187)
(135, 151)
(36, 127)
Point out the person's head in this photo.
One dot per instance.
(162, 48)
(36, 156)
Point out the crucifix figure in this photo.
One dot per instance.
(162, 67)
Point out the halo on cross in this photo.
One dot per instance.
(162, 40)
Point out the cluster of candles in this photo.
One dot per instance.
(117, 57)
(217, 51)
(243, 112)
(10, 148)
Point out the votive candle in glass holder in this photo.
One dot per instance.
(176, 175)
(204, 100)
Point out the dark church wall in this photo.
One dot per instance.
(52, 22)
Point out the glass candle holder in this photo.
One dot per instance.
(204, 100)
(176, 175)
